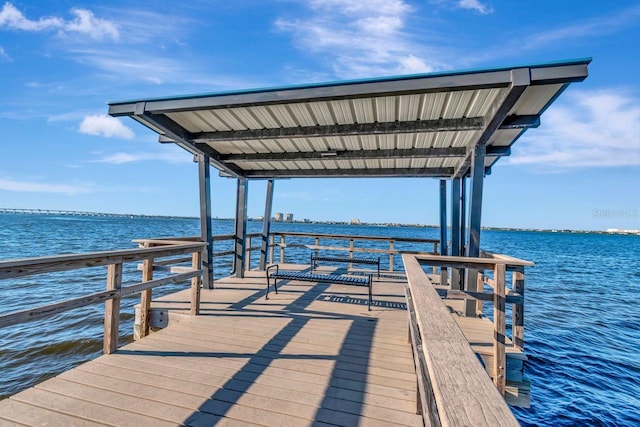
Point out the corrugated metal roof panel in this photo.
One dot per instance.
(424, 140)
(283, 116)
(341, 111)
(386, 109)
(263, 116)
(504, 137)
(408, 106)
(457, 104)
(534, 99)
(363, 108)
(432, 106)
(229, 119)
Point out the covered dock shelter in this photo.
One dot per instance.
(319, 352)
(453, 126)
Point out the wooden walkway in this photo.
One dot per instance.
(310, 355)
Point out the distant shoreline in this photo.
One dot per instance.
(51, 212)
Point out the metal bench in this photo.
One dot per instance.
(371, 261)
(315, 277)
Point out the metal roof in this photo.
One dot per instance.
(405, 126)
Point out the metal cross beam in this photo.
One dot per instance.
(378, 128)
(359, 154)
(372, 173)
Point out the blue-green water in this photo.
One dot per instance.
(581, 322)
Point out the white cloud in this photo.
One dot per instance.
(39, 187)
(174, 157)
(476, 5)
(585, 129)
(360, 38)
(83, 23)
(103, 125)
(86, 23)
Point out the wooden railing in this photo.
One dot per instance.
(499, 265)
(114, 260)
(278, 239)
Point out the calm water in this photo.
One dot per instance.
(581, 322)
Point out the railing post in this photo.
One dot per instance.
(499, 328)
(480, 288)
(435, 252)
(247, 251)
(145, 296)
(196, 259)
(112, 309)
(317, 243)
(351, 245)
(283, 244)
(272, 247)
(391, 250)
(518, 311)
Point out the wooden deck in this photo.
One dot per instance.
(310, 355)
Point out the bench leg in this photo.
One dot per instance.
(266, 295)
(370, 291)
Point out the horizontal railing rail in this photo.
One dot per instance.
(278, 239)
(114, 260)
(453, 387)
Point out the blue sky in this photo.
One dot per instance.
(62, 61)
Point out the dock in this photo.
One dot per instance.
(310, 355)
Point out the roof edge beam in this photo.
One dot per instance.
(378, 128)
(520, 80)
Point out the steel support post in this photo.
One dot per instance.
(266, 225)
(241, 229)
(475, 219)
(443, 229)
(455, 229)
(206, 232)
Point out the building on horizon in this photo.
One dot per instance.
(289, 217)
(278, 217)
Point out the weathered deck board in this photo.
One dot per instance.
(311, 355)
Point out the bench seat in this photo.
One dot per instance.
(338, 279)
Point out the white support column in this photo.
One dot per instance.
(266, 225)
(206, 232)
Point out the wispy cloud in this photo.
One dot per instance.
(361, 38)
(106, 126)
(40, 187)
(476, 5)
(595, 27)
(83, 22)
(586, 129)
(5, 55)
(173, 156)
